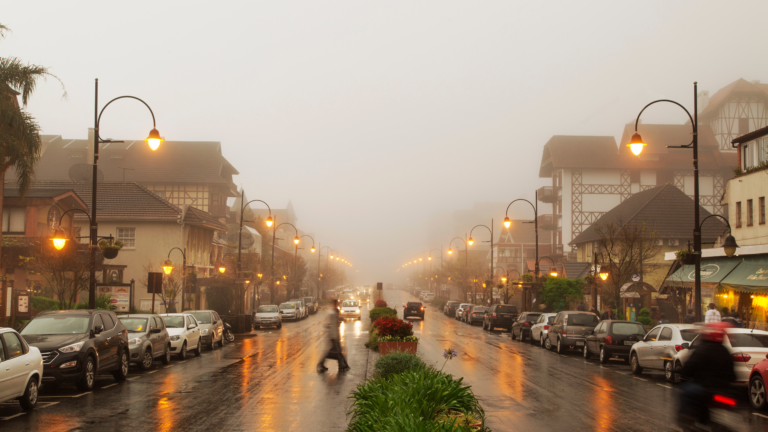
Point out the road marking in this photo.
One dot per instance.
(111, 385)
(166, 367)
(129, 379)
(13, 416)
(151, 372)
(63, 396)
(664, 385)
(622, 373)
(574, 359)
(761, 415)
(181, 362)
(49, 404)
(81, 394)
(641, 379)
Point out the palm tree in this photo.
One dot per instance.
(19, 132)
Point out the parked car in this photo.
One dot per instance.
(185, 332)
(747, 347)
(413, 309)
(660, 346)
(521, 327)
(540, 328)
(569, 329)
(476, 315)
(757, 379)
(77, 345)
(460, 310)
(613, 339)
(312, 305)
(450, 308)
(350, 309)
(147, 339)
(500, 315)
(468, 313)
(21, 369)
(211, 327)
(267, 315)
(429, 297)
(289, 311)
(301, 307)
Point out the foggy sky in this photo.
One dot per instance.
(376, 119)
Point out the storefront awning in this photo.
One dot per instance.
(712, 271)
(750, 276)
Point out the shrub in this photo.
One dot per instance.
(645, 320)
(380, 312)
(559, 293)
(644, 312)
(391, 326)
(397, 362)
(373, 340)
(380, 304)
(44, 303)
(220, 299)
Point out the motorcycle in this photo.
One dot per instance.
(720, 415)
(228, 335)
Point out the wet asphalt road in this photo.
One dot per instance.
(266, 381)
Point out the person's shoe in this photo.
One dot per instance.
(321, 368)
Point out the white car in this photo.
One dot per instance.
(540, 328)
(350, 309)
(21, 369)
(267, 315)
(461, 309)
(747, 347)
(288, 311)
(300, 309)
(184, 331)
(428, 297)
(660, 346)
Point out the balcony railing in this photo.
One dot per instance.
(547, 222)
(548, 194)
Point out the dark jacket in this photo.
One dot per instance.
(607, 316)
(710, 366)
(690, 318)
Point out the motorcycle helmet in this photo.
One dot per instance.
(715, 332)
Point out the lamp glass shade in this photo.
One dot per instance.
(636, 144)
(729, 246)
(270, 221)
(154, 139)
(507, 222)
(450, 251)
(222, 269)
(603, 275)
(312, 249)
(59, 239)
(553, 273)
(167, 267)
(296, 240)
(470, 241)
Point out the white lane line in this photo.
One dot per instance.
(13, 416)
(622, 373)
(81, 394)
(761, 415)
(111, 385)
(183, 361)
(49, 404)
(664, 385)
(641, 379)
(151, 372)
(166, 367)
(129, 379)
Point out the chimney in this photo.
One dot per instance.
(703, 99)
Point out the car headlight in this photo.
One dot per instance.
(204, 332)
(68, 364)
(75, 347)
(175, 338)
(134, 341)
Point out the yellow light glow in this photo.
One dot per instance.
(154, 139)
(167, 267)
(59, 243)
(553, 273)
(503, 279)
(603, 275)
(507, 222)
(312, 249)
(450, 251)
(270, 221)
(636, 148)
(430, 258)
(259, 275)
(247, 282)
(285, 277)
(296, 240)
(331, 256)
(470, 241)
(278, 282)
(222, 269)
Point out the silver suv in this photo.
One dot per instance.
(211, 327)
(569, 330)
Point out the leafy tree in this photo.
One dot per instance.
(560, 293)
(19, 132)
(65, 271)
(171, 288)
(221, 299)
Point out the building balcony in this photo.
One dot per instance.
(219, 211)
(548, 194)
(552, 251)
(547, 222)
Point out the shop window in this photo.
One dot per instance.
(749, 212)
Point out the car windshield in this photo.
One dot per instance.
(414, 304)
(57, 325)
(202, 317)
(174, 321)
(627, 329)
(134, 325)
(748, 340)
(508, 309)
(350, 303)
(532, 316)
(464, 305)
(582, 319)
(285, 306)
(267, 309)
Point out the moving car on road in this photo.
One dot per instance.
(288, 311)
(211, 327)
(569, 329)
(185, 333)
(147, 339)
(413, 309)
(460, 310)
(500, 315)
(350, 309)
(521, 328)
(21, 369)
(540, 328)
(658, 349)
(267, 315)
(77, 345)
(613, 339)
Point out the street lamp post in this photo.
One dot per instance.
(595, 273)
(636, 145)
(168, 268)
(269, 222)
(466, 253)
(508, 223)
(295, 240)
(429, 258)
(490, 230)
(153, 140)
(506, 280)
(312, 250)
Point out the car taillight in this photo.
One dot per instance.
(546, 326)
(678, 348)
(422, 308)
(526, 324)
(608, 340)
(474, 313)
(725, 400)
(565, 334)
(741, 357)
(494, 315)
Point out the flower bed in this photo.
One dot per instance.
(390, 333)
(380, 304)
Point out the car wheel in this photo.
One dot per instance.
(122, 370)
(183, 351)
(146, 361)
(757, 393)
(635, 364)
(29, 399)
(548, 343)
(167, 356)
(279, 326)
(212, 345)
(221, 341)
(586, 352)
(560, 348)
(89, 375)
(199, 349)
(603, 356)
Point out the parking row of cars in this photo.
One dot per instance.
(74, 346)
(293, 310)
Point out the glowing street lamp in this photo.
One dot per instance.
(222, 269)
(270, 221)
(507, 222)
(59, 239)
(604, 275)
(296, 240)
(553, 273)
(153, 139)
(470, 241)
(167, 267)
(636, 144)
(450, 251)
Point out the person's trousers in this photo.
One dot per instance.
(335, 353)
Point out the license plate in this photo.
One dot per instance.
(504, 315)
(579, 343)
(629, 343)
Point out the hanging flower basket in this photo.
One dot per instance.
(686, 257)
(110, 249)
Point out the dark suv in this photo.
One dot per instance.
(413, 309)
(500, 315)
(569, 330)
(521, 329)
(450, 308)
(77, 345)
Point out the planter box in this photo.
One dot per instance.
(388, 347)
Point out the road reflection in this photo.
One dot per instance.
(604, 405)
(166, 406)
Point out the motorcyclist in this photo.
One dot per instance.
(708, 371)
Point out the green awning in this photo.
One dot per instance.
(750, 276)
(712, 271)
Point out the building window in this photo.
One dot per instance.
(749, 212)
(127, 236)
(748, 156)
(674, 242)
(743, 126)
(762, 210)
(738, 214)
(14, 220)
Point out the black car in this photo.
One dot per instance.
(77, 345)
(500, 315)
(476, 315)
(450, 308)
(413, 309)
(613, 339)
(521, 328)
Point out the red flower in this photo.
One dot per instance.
(391, 326)
(380, 303)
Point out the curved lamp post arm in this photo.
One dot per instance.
(313, 240)
(457, 238)
(693, 124)
(98, 120)
(287, 223)
(179, 249)
(506, 213)
(484, 226)
(73, 219)
(716, 215)
(550, 259)
(242, 208)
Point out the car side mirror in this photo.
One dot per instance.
(190, 327)
(98, 329)
(686, 345)
(155, 330)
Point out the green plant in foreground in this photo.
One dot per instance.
(381, 312)
(397, 362)
(373, 340)
(398, 339)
